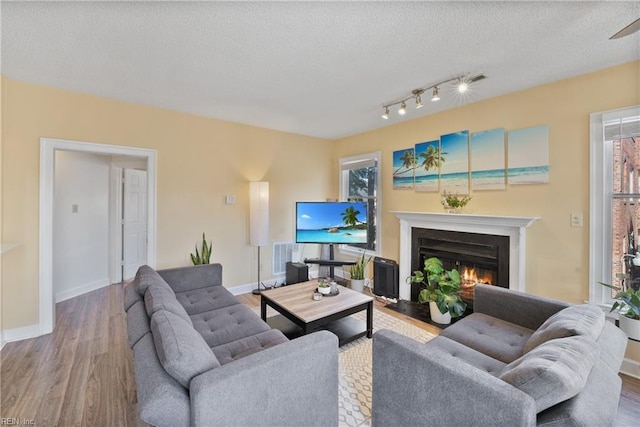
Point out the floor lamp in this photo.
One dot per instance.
(258, 219)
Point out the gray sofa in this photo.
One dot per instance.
(202, 358)
(518, 360)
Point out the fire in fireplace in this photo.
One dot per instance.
(480, 258)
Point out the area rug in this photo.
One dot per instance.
(355, 359)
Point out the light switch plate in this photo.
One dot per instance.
(230, 200)
(576, 219)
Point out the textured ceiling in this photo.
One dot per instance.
(315, 68)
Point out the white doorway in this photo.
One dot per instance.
(134, 222)
(48, 148)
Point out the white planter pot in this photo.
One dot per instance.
(436, 316)
(357, 285)
(630, 326)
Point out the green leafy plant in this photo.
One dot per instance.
(204, 255)
(628, 301)
(357, 270)
(454, 201)
(440, 286)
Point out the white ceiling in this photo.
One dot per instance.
(314, 68)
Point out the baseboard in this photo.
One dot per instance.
(2, 341)
(19, 334)
(249, 287)
(631, 368)
(72, 293)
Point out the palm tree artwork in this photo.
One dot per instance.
(430, 158)
(350, 216)
(404, 164)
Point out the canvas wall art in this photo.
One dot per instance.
(454, 167)
(488, 160)
(428, 160)
(404, 164)
(528, 155)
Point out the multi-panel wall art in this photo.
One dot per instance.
(460, 162)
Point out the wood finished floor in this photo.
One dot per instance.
(82, 374)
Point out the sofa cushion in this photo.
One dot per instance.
(228, 324)
(491, 336)
(554, 371)
(131, 295)
(137, 323)
(181, 349)
(468, 355)
(582, 319)
(206, 299)
(238, 349)
(145, 276)
(158, 298)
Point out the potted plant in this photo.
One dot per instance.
(204, 256)
(357, 273)
(453, 203)
(628, 305)
(441, 289)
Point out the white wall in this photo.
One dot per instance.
(80, 240)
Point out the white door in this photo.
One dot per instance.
(134, 222)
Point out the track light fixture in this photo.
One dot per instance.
(461, 83)
(435, 96)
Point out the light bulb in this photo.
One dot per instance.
(418, 102)
(463, 86)
(435, 96)
(385, 115)
(403, 109)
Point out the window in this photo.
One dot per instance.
(615, 202)
(360, 181)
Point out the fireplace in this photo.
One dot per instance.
(510, 227)
(479, 258)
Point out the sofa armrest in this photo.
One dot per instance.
(193, 277)
(418, 384)
(290, 384)
(516, 307)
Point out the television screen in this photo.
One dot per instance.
(331, 222)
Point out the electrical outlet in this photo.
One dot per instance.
(260, 267)
(576, 219)
(74, 208)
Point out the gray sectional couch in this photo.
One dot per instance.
(202, 358)
(518, 360)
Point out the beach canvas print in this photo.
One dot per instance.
(428, 161)
(528, 156)
(488, 160)
(454, 170)
(404, 165)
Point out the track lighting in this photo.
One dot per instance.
(462, 86)
(461, 83)
(435, 96)
(418, 102)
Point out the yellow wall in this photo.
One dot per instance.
(1, 234)
(557, 254)
(200, 161)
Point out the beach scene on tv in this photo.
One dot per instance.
(331, 222)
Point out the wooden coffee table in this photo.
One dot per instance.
(296, 305)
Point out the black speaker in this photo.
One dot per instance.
(385, 278)
(296, 273)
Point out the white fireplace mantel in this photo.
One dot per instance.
(512, 226)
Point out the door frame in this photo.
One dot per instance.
(48, 147)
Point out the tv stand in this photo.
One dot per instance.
(331, 262)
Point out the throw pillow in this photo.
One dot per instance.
(158, 298)
(583, 319)
(181, 350)
(554, 371)
(146, 276)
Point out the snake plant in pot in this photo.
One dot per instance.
(628, 305)
(441, 289)
(357, 273)
(203, 256)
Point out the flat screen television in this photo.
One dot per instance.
(331, 222)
